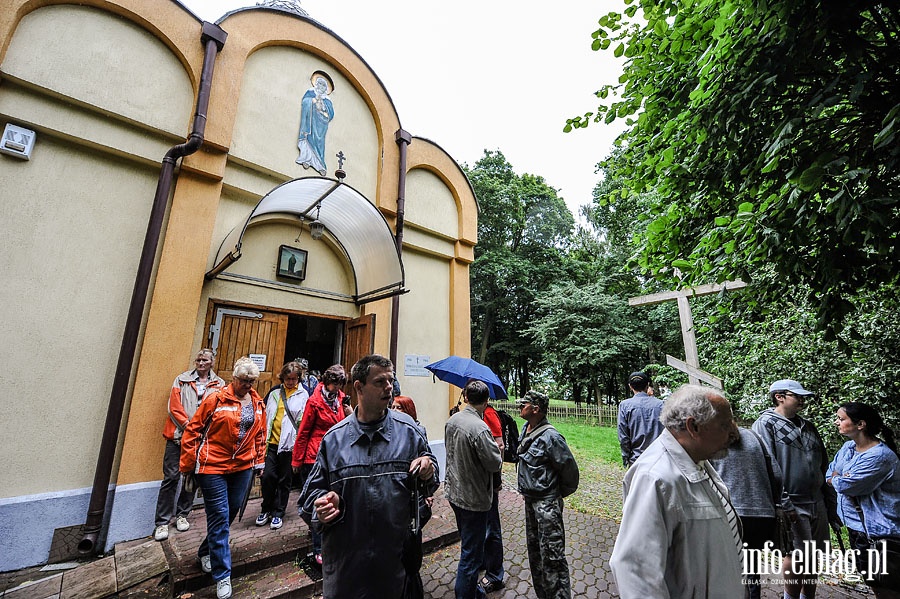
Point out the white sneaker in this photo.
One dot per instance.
(181, 524)
(161, 533)
(206, 564)
(223, 588)
(276, 523)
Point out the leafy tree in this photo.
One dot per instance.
(523, 227)
(586, 333)
(768, 134)
(750, 348)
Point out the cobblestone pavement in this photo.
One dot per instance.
(589, 542)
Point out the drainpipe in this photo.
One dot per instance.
(213, 38)
(403, 139)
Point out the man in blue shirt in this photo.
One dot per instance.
(639, 423)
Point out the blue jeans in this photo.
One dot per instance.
(493, 544)
(472, 530)
(222, 497)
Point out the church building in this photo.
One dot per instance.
(170, 185)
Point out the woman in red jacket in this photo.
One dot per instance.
(222, 444)
(324, 409)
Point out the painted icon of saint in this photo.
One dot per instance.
(316, 112)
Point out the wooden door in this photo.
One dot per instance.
(258, 334)
(359, 341)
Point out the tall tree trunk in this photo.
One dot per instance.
(489, 318)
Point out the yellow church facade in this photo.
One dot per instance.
(171, 185)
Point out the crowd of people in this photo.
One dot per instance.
(703, 485)
(699, 491)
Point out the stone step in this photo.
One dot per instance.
(296, 578)
(270, 564)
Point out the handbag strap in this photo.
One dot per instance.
(862, 517)
(287, 410)
(530, 438)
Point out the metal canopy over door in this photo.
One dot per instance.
(255, 333)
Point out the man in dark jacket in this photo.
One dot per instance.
(638, 419)
(360, 490)
(547, 473)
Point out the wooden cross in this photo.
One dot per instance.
(691, 363)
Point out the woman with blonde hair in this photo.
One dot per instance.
(222, 445)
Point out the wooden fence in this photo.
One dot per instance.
(589, 413)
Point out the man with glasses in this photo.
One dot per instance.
(796, 445)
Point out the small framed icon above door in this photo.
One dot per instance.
(292, 263)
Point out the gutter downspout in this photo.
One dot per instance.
(403, 139)
(213, 38)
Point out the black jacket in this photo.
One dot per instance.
(363, 548)
(546, 467)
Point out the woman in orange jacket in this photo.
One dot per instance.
(324, 409)
(222, 445)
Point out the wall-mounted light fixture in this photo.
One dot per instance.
(17, 141)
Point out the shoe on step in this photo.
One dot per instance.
(206, 563)
(262, 519)
(223, 588)
(182, 524)
(161, 533)
(276, 523)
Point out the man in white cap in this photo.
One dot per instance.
(808, 501)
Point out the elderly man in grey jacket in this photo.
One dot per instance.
(680, 535)
(472, 457)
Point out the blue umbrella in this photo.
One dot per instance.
(457, 371)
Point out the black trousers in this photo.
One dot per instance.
(276, 481)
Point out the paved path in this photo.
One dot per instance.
(589, 542)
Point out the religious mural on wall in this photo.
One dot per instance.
(316, 112)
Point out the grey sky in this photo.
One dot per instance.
(472, 75)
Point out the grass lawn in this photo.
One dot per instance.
(596, 449)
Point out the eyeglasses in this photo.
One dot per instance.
(245, 381)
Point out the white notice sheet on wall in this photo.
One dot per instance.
(414, 365)
(259, 360)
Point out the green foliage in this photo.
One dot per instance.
(750, 349)
(761, 133)
(523, 227)
(586, 331)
